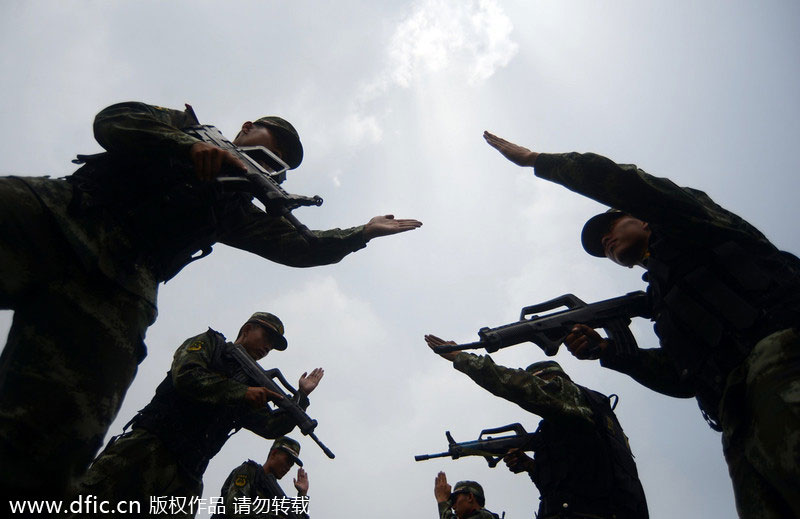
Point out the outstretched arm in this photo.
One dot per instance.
(140, 130)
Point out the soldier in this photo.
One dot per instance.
(583, 466)
(257, 487)
(465, 501)
(203, 398)
(80, 263)
(726, 306)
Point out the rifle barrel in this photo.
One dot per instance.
(449, 348)
(423, 457)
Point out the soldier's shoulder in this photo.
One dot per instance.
(485, 514)
(208, 339)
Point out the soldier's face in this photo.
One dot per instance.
(256, 341)
(625, 242)
(279, 463)
(463, 504)
(257, 135)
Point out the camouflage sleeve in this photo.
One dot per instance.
(445, 512)
(652, 368)
(557, 399)
(277, 240)
(652, 199)
(271, 424)
(129, 128)
(194, 379)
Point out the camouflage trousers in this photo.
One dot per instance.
(73, 349)
(760, 418)
(138, 467)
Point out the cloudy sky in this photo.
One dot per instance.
(391, 99)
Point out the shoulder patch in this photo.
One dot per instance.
(241, 480)
(195, 346)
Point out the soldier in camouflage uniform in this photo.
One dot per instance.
(80, 263)
(464, 502)
(583, 465)
(203, 398)
(726, 306)
(257, 485)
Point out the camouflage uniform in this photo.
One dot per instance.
(446, 512)
(726, 306)
(188, 421)
(469, 487)
(583, 465)
(247, 481)
(81, 259)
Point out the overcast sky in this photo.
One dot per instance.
(390, 99)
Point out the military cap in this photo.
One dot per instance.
(289, 446)
(272, 324)
(469, 487)
(544, 367)
(595, 228)
(288, 139)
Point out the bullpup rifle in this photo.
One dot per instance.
(264, 174)
(549, 331)
(493, 449)
(289, 403)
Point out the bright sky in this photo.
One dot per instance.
(390, 99)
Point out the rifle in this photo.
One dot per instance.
(265, 172)
(275, 490)
(549, 331)
(263, 378)
(493, 449)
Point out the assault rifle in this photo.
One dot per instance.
(265, 172)
(493, 449)
(549, 331)
(275, 490)
(288, 403)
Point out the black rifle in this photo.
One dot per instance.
(263, 378)
(265, 172)
(549, 331)
(493, 449)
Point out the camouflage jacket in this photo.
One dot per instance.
(245, 493)
(558, 400)
(202, 399)
(137, 213)
(583, 458)
(689, 226)
(446, 512)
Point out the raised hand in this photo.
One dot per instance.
(308, 382)
(384, 225)
(517, 154)
(441, 489)
(434, 341)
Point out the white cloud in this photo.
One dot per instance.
(357, 128)
(468, 41)
(473, 38)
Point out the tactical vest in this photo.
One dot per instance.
(166, 213)
(192, 431)
(589, 471)
(264, 485)
(713, 301)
